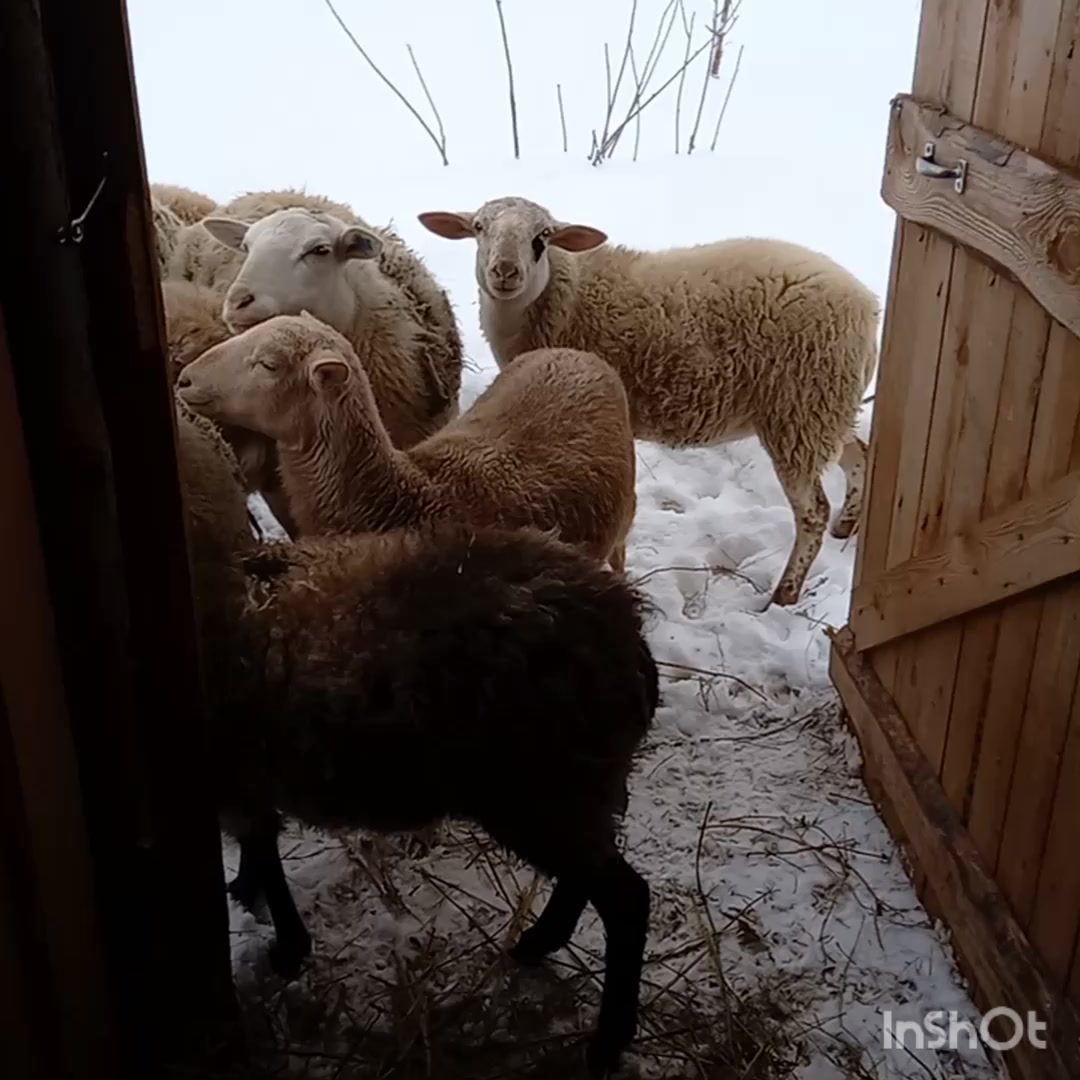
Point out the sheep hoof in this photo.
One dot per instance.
(531, 948)
(287, 957)
(244, 891)
(602, 1056)
(844, 528)
(786, 594)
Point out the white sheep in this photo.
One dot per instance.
(199, 258)
(714, 342)
(364, 282)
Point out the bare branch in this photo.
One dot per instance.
(714, 37)
(689, 28)
(637, 119)
(641, 82)
(427, 94)
(562, 115)
(603, 149)
(727, 98)
(510, 77)
(718, 52)
(374, 67)
(613, 93)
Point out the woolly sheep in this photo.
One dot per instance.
(189, 206)
(364, 282)
(193, 324)
(714, 342)
(167, 228)
(548, 444)
(203, 260)
(342, 696)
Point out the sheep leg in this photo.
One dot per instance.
(811, 509)
(246, 888)
(617, 558)
(293, 942)
(853, 462)
(556, 924)
(621, 897)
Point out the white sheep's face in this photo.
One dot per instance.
(261, 379)
(512, 240)
(296, 260)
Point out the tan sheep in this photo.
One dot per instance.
(167, 229)
(548, 444)
(714, 342)
(189, 206)
(368, 286)
(193, 324)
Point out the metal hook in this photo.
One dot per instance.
(73, 232)
(926, 166)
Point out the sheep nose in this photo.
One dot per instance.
(506, 271)
(241, 299)
(183, 380)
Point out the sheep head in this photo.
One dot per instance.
(295, 260)
(268, 378)
(193, 322)
(512, 240)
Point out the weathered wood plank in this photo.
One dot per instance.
(1032, 454)
(1074, 979)
(947, 71)
(1014, 72)
(1044, 724)
(1021, 212)
(1048, 462)
(986, 934)
(1041, 741)
(47, 831)
(1056, 920)
(1018, 549)
(973, 702)
(958, 449)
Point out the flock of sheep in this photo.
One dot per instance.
(442, 637)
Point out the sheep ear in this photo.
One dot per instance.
(327, 370)
(357, 243)
(448, 226)
(576, 237)
(227, 231)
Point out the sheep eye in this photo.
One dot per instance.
(319, 249)
(538, 246)
(478, 226)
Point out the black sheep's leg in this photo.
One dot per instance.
(246, 888)
(293, 942)
(621, 898)
(556, 924)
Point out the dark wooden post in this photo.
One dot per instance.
(85, 336)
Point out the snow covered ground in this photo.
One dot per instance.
(767, 861)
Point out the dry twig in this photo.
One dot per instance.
(510, 78)
(440, 144)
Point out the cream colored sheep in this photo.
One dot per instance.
(366, 284)
(167, 229)
(548, 444)
(189, 206)
(198, 257)
(193, 322)
(714, 342)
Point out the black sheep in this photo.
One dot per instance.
(385, 682)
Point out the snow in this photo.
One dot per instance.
(747, 811)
